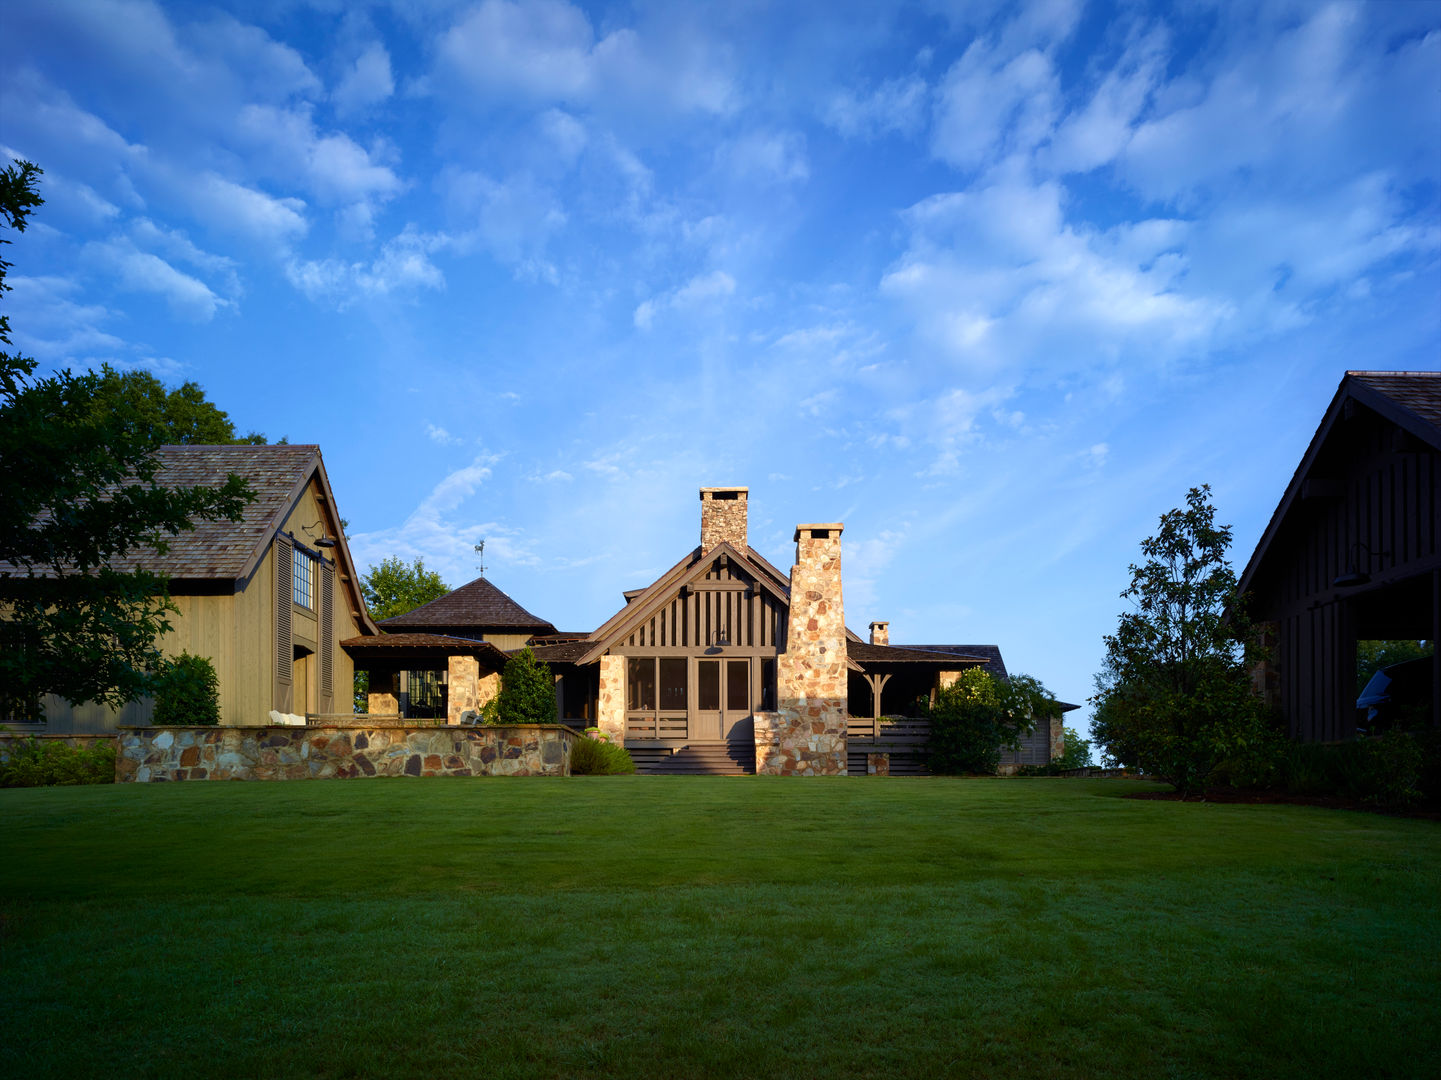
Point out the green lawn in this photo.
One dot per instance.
(697, 927)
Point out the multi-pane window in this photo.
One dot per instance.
(302, 579)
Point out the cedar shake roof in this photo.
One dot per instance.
(567, 653)
(478, 604)
(991, 654)
(383, 646)
(1417, 392)
(866, 653)
(226, 549)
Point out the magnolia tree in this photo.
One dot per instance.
(1175, 696)
(978, 716)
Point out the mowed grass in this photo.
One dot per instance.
(711, 927)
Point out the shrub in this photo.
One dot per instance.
(592, 757)
(527, 692)
(187, 692)
(977, 717)
(50, 762)
(1392, 771)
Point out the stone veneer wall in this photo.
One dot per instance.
(610, 701)
(342, 751)
(723, 519)
(806, 735)
(462, 677)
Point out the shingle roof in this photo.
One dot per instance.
(992, 654)
(381, 646)
(1418, 392)
(567, 653)
(866, 653)
(478, 604)
(226, 549)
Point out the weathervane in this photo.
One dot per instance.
(480, 557)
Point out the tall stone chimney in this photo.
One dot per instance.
(723, 517)
(806, 735)
(880, 633)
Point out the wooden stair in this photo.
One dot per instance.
(696, 759)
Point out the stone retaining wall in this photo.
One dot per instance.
(340, 751)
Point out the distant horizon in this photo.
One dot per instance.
(993, 284)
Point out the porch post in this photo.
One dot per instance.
(462, 676)
(610, 702)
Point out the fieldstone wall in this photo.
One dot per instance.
(340, 751)
(723, 518)
(878, 764)
(610, 701)
(806, 736)
(1058, 737)
(880, 633)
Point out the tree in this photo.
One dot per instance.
(187, 692)
(1077, 754)
(180, 416)
(1175, 695)
(395, 587)
(978, 716)
(1372, 656)
(527, 691)
(80, 493)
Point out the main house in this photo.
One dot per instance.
(721, 660)
(268, 599)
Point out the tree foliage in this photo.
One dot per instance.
(527, 691)
(978, 716)
(1175, 695)
(1372, 656)
(181, 416)
(1077, 754)
(80, 492)
(395, 587)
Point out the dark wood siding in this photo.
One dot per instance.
(724, 602)
(1368, 505)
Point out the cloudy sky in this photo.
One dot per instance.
(992, 284)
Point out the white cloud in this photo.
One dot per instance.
(226, 205)
(766, 157)
(990, 106)
(141, 271)
(512, 219)
(440, 435)
(367, 81)
(547, 50)
(333, 166)
(701, 290)
(49, 322)
(896, 106)
(402, 266)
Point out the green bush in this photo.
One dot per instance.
(51, 762)
(187, 692)
(592, 757)
(527, 692)
(977, 717)
(1392, 771)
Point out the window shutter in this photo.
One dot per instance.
(327, 635)
(284, 650)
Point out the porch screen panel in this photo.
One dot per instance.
(673, 684)
(284, 656)
(738, 685)
(327, 633)
(640, 694)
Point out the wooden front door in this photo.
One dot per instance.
(723, 701)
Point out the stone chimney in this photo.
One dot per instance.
(807, 734)
(880, 633)
(723, 517)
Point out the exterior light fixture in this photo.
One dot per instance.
(1353, 574)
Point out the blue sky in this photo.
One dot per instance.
(992, 284)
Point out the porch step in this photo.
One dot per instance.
(697, 759)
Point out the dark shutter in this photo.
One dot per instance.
(327, 636)
(284, 649)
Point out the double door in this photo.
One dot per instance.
(723, 701)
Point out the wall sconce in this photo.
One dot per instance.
(1354, 575)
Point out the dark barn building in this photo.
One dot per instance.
(1352, 550)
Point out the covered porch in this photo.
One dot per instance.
(431, 677)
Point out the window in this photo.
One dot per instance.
(302, 578)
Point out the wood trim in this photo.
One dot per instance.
(327, 636)
(284, 648)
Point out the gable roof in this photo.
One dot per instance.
(649, 601)
(1409, 399)
(477, 604)
(991, 654)
(229, 551)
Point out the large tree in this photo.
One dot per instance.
(395, 587)
(80, 491)
(179, 416)
(1175, 697)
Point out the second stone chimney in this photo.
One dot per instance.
(723, 517)
(880, 633)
